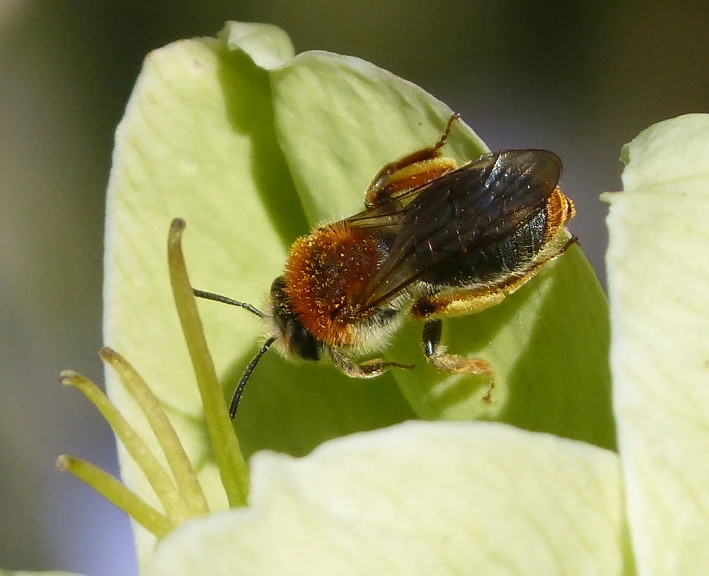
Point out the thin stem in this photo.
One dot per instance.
(161, 482)
(231, 463)
(116, 493)
(182, 469)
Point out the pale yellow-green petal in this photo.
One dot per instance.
(267, 45)
(418, 499)
(339, 119)
(658, 276)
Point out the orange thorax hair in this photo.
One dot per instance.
(325, 273)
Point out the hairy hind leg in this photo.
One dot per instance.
(367, 369)
(411, 171)
(453, 363)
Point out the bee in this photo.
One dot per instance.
(434, 240)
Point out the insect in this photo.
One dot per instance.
(434, 240)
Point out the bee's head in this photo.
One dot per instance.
(292, 336)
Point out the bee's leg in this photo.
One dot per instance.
(452, 363)
(410, 171)
(366, 369)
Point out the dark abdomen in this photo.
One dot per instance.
(493, 261)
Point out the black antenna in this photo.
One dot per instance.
(225, 300)
(245, 376)
(254, 361)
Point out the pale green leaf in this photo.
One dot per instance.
(658, 274)
(419, 498)
(267, 45)
(339, 119)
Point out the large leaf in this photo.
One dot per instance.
(658, 276)
(419, 498)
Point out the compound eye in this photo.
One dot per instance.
(302, 343)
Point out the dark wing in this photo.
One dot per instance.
(462, 211)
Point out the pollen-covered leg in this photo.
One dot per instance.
(366, 369)
(411, 171)
(453, 363)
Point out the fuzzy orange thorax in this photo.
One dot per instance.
(325, 273)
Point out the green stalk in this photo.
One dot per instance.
(182, 469)
(232, 466)
(116, 493)
(157, 476)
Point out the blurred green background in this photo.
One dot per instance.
(579, 78)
